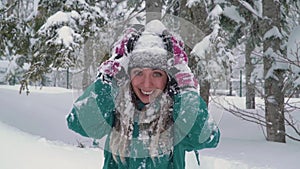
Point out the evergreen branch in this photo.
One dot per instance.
(129, 18)
(244, 4)
(11, 7)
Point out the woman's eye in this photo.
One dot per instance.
(157, 74)
(139, 73)
(136, 73)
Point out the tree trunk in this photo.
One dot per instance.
(153, 10)
(249, 62)
(87, 62)
(250, 86)
(274, 94)
(204, 90)
(274, 107)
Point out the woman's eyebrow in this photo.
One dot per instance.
(157, 69)
(136, 69)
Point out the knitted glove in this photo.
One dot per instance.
(179, 69)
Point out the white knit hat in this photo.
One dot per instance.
(150, 50)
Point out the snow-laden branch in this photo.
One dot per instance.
(249, 7)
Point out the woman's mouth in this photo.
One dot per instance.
(147, 92)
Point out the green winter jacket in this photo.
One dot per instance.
(93, 116)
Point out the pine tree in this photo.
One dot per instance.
(214, 60)
(60, 29)
(14, 37)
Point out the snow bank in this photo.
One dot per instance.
(23, 151)
(37, 89)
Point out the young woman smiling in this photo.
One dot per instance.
(145, 104)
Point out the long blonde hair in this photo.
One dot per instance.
(155, 125)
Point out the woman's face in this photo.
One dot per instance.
(148, 83)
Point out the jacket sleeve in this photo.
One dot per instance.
(193, 128)
(92, 112)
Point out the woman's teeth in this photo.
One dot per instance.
(147, 93)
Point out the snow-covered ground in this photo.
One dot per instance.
(34, 135)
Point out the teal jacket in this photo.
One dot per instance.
(93, 116)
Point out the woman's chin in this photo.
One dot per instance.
(145, 99)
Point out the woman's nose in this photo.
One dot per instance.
(147, 81)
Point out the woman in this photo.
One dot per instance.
(146, 103)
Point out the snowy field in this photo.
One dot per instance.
(34, 135)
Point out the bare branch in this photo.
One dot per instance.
(244, 114)
(291, 137)
(254, 116)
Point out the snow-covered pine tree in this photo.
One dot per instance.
(212, 55)
(60, 30)
(250, 37)
(15, 37)
(271, 30)
(292, 15)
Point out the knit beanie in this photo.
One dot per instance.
(150, 49)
